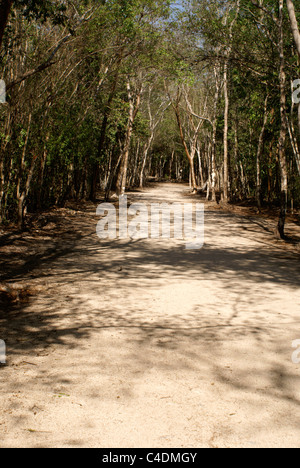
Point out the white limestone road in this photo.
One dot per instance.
(142, 343)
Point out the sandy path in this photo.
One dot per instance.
(176, 349)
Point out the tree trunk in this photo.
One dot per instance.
(133, 110)
(154, 122)
(5, 7)
(226, 119)
(294, 24)
(21, 193)
(95, 167)
(201, 180)
(259, 155)
(293, 139)
(122, 176)
(3, 184)
(145, 156)
(226, 98)
(190, 159)
(214, 133)
(190, 154)
(136, 163)
(283, 131)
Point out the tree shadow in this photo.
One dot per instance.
(93, 287)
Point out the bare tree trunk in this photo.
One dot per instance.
(226, 119)
(201, 180)
(226, 110)
(171, 165)
(154, 122)
(283, 130)
(42, 173)
(243, 179)
(214, 133)
(95, 168)
(190, 154)
(190, 158)
(145, 156)
(122, 176)
(133, 110)
(5, 7)
(259, 155)
(294, 24)
(3, 185)
(209, 170)
(20, 193)
(293, 139)
(136, 163)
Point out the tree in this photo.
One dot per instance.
(294, 24)
(38, 9)
(88, 114)
(5, 7)
(283, 127)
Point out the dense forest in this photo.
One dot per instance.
(102, 95)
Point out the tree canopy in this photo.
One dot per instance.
(101, 95)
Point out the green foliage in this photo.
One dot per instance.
(80, 105)
(43, 10)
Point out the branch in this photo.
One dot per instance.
(261, 7)
(198, 116)
(49, 62)
(28, 74)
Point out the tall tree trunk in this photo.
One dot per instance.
(171, 164)
(5, 7)
(154, 122)
(293, 137)
(187, 152)
(283, 130)
(147, 147)
(23, 194)
(226, 120)
(294, 24)
(20, 193)
(122, 176)
(133, 110)
(226, 98)
(3, 185)
(193, 138)
(259, 155)
(136, 163)
(214, 134)
(201, 180)
(96, 166)
(42, 174)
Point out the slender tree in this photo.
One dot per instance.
(294, 24)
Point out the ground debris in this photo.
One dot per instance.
(16, 292)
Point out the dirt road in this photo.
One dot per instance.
(146, 344)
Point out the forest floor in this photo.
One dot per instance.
(142, 343)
